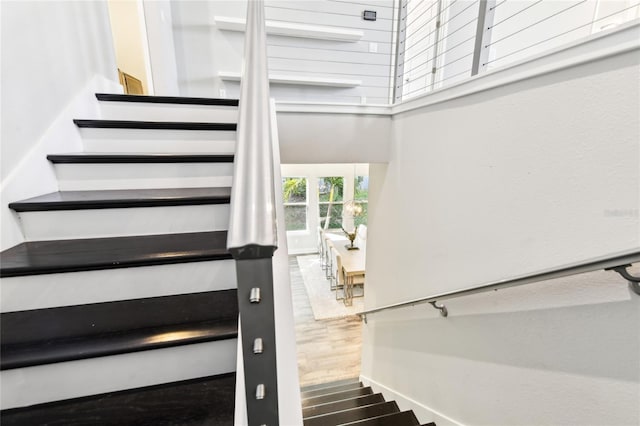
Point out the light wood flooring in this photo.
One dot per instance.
(329, 349)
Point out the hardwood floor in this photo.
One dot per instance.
(329, 349)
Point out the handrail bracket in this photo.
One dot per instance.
(441, 308)
(634, 282)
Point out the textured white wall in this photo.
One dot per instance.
(50, 51)
(334, 138)
(503, 182)
(55, 56)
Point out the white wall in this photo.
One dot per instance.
(499, 183)
(203, 50)
(306, 241)
(310, 137)
(130, 40)
(54, 56)
(159, 23)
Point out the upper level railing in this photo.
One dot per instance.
(443, 42)
(355, 52)
(252, 237)
(617, 262)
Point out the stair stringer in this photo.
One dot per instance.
(424, 413)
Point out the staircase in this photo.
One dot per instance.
(121, 306)
(347, 402)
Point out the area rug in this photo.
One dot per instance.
(323, 300)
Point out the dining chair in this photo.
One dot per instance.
(361, 236)
(328, 259)
(323, 241)
(333, 282)
(320, 244)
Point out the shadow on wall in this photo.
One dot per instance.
(590, 340)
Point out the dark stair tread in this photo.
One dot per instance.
(403, 418)
(203, 401)
(429, 424)
(49, 257)
(329, 384)
(323, 399)
(60, 350)
(353, 414)
(119, 158)
(333, 389)
(107, 199)
(109, 317)
(112, 97)
(153, 125)
(346, 404)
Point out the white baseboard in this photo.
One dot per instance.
(423, 413)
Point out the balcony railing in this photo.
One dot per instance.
(443, 42)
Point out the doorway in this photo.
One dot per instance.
(131, 46)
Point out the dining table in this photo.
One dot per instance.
(353, 266)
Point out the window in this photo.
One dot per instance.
(313, 192)
(361, 199)
(294, 194)
(330, 200)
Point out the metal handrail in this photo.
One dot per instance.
(617, 262)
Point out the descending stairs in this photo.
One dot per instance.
(121, 306)
(347, 402)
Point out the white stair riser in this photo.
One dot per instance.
(139, 111)
(71, 224)
(54, 382)
(78, 288)
(158, 141)
(79, 177)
